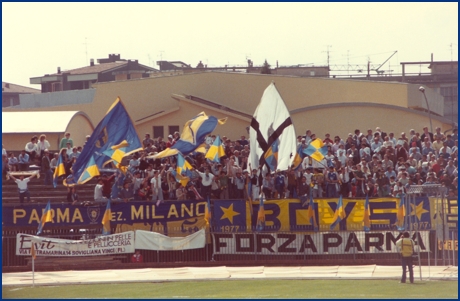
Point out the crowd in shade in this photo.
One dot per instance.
(371, 162)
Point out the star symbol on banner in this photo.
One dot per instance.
(229, 213)
(418, 210)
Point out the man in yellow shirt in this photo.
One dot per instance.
(406, 247)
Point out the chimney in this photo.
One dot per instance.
(431, 57)
(91, 62)
(59, 70)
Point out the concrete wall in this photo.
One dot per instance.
(323, 105)
(78, 128)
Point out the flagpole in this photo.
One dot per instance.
(33, 271)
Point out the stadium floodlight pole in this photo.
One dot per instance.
(422, 89)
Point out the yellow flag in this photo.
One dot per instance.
(32, 251)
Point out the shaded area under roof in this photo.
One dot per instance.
(38, 122)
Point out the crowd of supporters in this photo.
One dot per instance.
(371, 163)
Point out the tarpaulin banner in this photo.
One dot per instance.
(179, 216)
(185, 217)
(147, 240)
(289, 215)
(321, 243)
(103, 245)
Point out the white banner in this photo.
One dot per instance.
(103, 245)
(322, 243)
(147, 240)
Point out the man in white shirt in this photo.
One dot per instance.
(98, 197)
(206, 182)
(157, 192)
(22, 187)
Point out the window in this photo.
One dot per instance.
(158, 131)
(172, 129)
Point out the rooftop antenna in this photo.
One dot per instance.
(451, 51)
(86, 49)
(328, 56)
(149, 59)
(348, 62)
(161, 54)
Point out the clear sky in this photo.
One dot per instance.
(39, 37)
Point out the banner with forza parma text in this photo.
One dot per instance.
(120, 243)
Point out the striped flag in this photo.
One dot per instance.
(106, 220)
(367, 214)
(339, 214)
(46, 217)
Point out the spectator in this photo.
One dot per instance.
(65, 140)
(98, 195)
(13, 162)
(3, 150)
(72, 196)
(137, 257)
(22, 187)
(5, 166)
(268, 186)
(127, 193)
(46, 168)
(147, 140)
(74, 153)
(54, 161)
(317, 182)
(23, 161)
(280, 184)
(42, 144)
(426, 134)
(31, 148)
(155, 182)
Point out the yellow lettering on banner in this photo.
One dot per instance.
(302, 217)
(173, 211)
(188, 210)
(77, 215)
(198, 211)
(34, 216)
(137, 214)
(63, 216)
(18, 213)
(154, 214)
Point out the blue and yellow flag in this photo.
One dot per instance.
(116, 152)
(401, 214)
(46, 217)
(339, 214)
(367, 215)
(311, 213)
(207, 211)
(106, 220)
(183, 170)
(298, 159)
(271, 156)
(248, 188)
(91, 170)
(261, 214)
(60, 168)
(201, 148)
(116, 127)
(193, 135)
(216, 151)
(316, 149)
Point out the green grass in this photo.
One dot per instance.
(248, 289)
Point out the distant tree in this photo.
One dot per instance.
(266, 68)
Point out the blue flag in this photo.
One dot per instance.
(116, 127)
(401, 214)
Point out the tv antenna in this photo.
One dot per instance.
(86, 49)
(328, 56)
